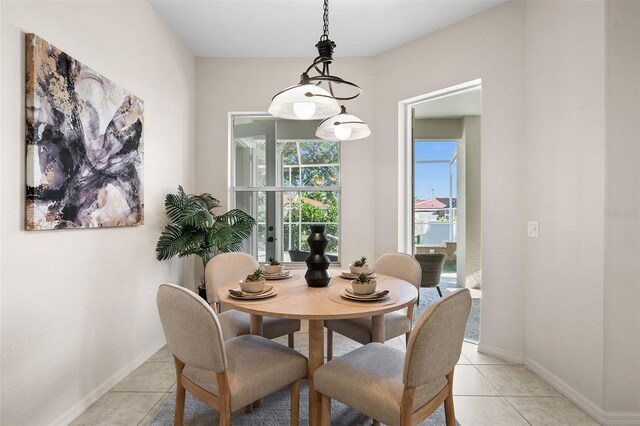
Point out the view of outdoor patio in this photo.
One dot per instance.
(435, 204)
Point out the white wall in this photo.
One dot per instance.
(78, 306)
(489, 46)
(472, 203)
(622, 210)
(564, 187)
(236, 85)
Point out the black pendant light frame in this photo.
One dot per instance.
(343, 110)
(325, 57)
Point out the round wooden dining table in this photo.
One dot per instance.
(296, 300)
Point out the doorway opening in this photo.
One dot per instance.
(443, 192)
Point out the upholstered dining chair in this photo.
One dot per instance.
(225, 375)
(225, 267)
(396, 387)
(399, 265)
(431, 265)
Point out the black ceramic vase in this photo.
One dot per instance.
(317, 263)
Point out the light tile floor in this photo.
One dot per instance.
(487, 391)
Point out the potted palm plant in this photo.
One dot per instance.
(194, 229)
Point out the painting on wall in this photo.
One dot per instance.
(84, 145)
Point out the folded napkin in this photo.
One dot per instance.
(240, 293)
(374, 295)
(275, 274)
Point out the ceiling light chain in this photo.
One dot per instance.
(325, 21)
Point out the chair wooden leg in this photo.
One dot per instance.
(248, 408)
(406, 406)
(291, 340)
(295, 403)
(179, 414)
(225, 399)
(449, 413)
(178, 418)
(225, 418)
(375, 422)
(325, 411)
(329, 345)
(406, 340)
(439, 291)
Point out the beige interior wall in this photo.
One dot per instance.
(438, 128)
(473, 205)
(622, 210)
(563, 189)
(78, 306)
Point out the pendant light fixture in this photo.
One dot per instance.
(307, 100)
(344, 127)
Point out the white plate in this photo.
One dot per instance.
(362, 299)
(285, 274)
(350, 276)
(375, 295)
(248, 296)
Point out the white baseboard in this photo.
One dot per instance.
(601, 416)
(505, 354)
(105, 387)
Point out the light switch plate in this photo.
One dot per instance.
(532, 228)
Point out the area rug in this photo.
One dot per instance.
(447, 284)
(274, 411)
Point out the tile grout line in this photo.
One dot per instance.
(506, 398)
(151, 409)
(517, 411)
(488, 381)
(503, 396)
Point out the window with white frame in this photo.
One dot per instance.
(288, 180)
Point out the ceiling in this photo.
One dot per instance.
(266, 28)
(459, 104)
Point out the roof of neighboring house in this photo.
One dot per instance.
(437, 203)
(288, 197)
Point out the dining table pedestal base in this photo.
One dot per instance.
(316, 359)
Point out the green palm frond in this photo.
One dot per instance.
(240, 221)
(207, 200)
(231, 229)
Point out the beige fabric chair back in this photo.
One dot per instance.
(399, 265)
(192, 329)
(436, 340)
(225, 267)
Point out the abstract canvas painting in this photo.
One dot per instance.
(84, 145)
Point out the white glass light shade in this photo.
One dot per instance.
(344, 127)
(291, 102)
